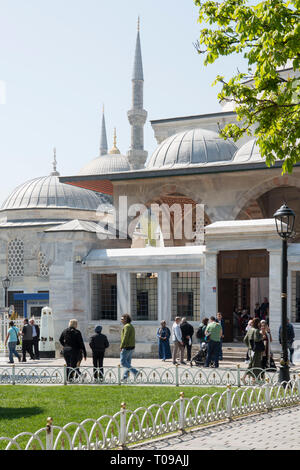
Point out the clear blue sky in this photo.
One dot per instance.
(61, 59)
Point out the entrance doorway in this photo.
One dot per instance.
(242, 275)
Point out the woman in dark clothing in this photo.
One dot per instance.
(72, 342)
(163, 334)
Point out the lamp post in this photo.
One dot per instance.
(6, 284)
(285, 221)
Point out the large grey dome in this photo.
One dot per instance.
(111, 163)
(249, 152)
(194, 147)
(48, 192)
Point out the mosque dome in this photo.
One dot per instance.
(191, 148)
(106, 164)
(248, 153)
(48, 192)
(112, 162)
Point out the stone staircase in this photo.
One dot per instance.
(236, 352)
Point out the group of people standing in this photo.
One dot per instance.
(258, 340)
(181, 335)
(30, 336)
(241, 318)
(210, 331)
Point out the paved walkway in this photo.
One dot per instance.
(114, 361)
(277, 430)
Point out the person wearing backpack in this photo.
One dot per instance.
(12, 338)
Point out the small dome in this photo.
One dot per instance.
(111, 163)
(194, 147)
(48, 192)
(249, 152)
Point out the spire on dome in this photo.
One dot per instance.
(54, 163)
(138, 63)
(115, 149)
(103, 141)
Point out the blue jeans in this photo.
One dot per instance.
(220, 351)
(125, 357)
(213, 351)
(12, 351)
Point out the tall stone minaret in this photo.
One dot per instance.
(137, 115)
(103, 141)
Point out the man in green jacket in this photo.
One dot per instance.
(127, 346)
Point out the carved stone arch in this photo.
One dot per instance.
(250, 196)
(168, 197)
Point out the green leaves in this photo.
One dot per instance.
(267, 101)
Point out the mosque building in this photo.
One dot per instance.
(95, 249)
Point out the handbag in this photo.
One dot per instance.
(18, 340)
(258, 346)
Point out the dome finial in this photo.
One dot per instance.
(138, 24)
(115, 149)
(54, 163)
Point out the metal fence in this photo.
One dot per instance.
(175, 375)
(128, 427)
(4, 326)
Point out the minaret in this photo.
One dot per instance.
(137, 115)
(103, 141)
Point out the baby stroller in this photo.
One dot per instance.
(200, 357)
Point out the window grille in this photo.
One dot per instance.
(104, 297)
(18, 304)
(144, 296)
(43, 268)
(15, 258)
(186, 295)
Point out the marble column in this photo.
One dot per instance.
(123, 296)
(211, 284)
(275, 293)
(164, 296)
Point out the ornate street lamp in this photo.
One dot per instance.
(285, 221)
(6, 284)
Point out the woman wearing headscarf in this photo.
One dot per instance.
(163, 335)
(98, 344)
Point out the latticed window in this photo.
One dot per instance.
(43, 268)
(104, 297)
(144, 296)
(186, 295)
(15, 258)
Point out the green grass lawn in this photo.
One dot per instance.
(26, 408)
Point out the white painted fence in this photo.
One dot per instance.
(128, 427)
(4, 326)
(174, 375)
